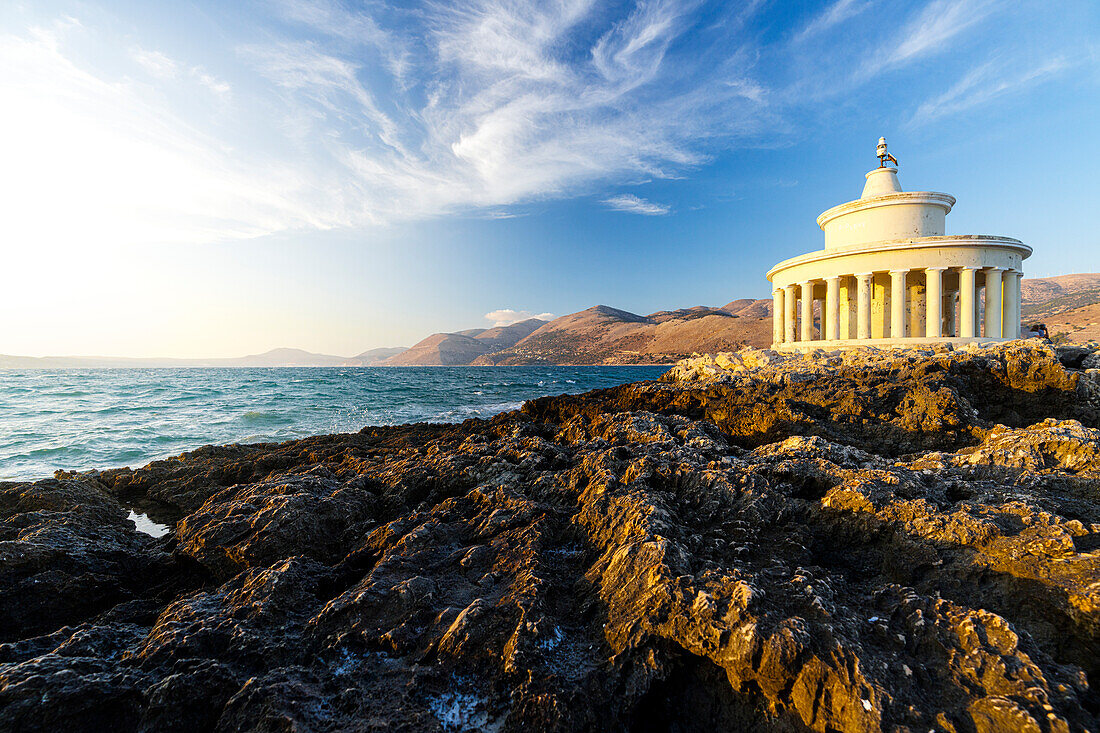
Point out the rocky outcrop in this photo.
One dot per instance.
(901, 541)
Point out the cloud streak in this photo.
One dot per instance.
(379, 115)
(982, 85)
(634, 205)
(928, 32)
(341, 116)
(834, 15)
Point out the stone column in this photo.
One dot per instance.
(897, 303)
(830, 319)
(807, 311)
(933, 302)
(993, 302)
(1019, 300)
(1010, 317)
(949, 313)
(847, 307)
(863, 308)
(967, 302)
(789, 319)
(777, 316)
(878, 306)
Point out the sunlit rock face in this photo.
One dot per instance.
(859, 540)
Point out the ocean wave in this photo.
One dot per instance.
(131, 417)
(262, 417)
(466, 412)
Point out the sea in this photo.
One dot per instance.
(80, 419)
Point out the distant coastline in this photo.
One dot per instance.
(605, 336)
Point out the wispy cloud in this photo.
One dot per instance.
(155, 63)
(374, 113)
(983, 84)
(928, 32)
(211, 82)
(504, 102)
(835, 14)
(121, 167)
(634, 205)
(161, 66)
(507, 316)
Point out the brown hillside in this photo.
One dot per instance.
(461, 348)
(1041, 289)
(1044, 299)
(1079, 325)
(604, 335)
(501, 337)
(440, 349)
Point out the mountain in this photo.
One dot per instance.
(1047, 289)
(1069, 305)
(502, 337)
(606, 335)
(1065, 303)
(374, 357)
(282, 358)
(440, 349)
(463, 347)
(275, 358)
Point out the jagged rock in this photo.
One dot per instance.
(867, 540)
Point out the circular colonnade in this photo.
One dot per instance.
(889, 276)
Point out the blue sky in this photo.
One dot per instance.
(208, 178)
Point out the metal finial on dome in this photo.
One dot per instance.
(884, 156)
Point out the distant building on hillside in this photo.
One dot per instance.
(889, 276)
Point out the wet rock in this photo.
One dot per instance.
(866, 540)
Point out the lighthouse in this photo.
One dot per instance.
(889, 275)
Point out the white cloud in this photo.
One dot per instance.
(397, 113)
(213, 83)
(155, 63)
(104, 163)
(382, 118)
(837, 13)
(507, 316)
(928, 32)
(634, 205)
(983, 84)
(505, 102)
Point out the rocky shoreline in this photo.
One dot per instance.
(868, 540)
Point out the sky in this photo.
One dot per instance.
(193, 178)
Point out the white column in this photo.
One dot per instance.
(777, 316)
(808, 311)
(933, 302)
(993, 302)
(831, 317)
(916, 309)
(1010, 319)
(1018, 290)
(949, 311)
(967, 302)
(863, 307)
(897, 303)
(847, 307)
(789, 299)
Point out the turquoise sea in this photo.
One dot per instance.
(77, 419)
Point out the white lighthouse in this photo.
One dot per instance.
(890, 276)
